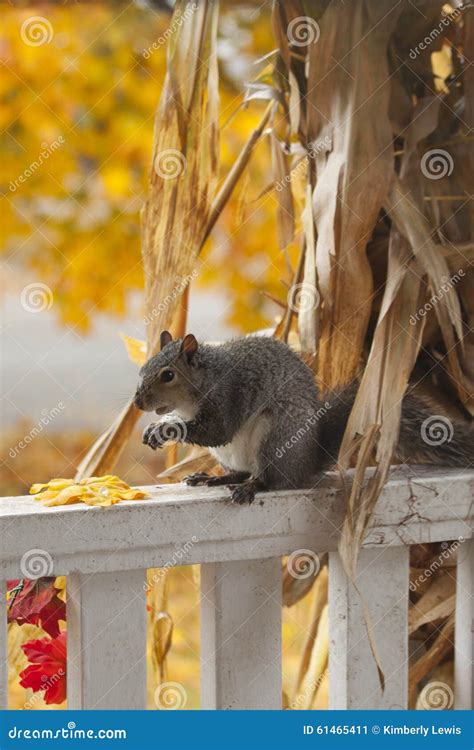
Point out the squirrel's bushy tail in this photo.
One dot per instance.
(428, 436)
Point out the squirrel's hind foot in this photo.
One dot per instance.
(201, 477)
(241, 494)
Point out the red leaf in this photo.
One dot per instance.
(37, 603)
(48, 668)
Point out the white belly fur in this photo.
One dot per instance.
(242, 453)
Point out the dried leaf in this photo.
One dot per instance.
(285, 213)
(438, 650)
(183, 178)
(351, 142)
(100, 491)
(136, 349)
(377, 408)
(437, 603)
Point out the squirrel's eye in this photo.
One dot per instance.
(167, 376)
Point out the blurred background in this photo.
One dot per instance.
(79, 89)
(77, 132)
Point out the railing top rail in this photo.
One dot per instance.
(182, 525)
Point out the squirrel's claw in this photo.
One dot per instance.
(200, 477)
(242, 493)
(152, 436)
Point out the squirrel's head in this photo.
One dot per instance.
(166, 380)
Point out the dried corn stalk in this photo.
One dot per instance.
(384, 229)
(182, 186)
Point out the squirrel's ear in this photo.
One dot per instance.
(165, 338)
(189, 346)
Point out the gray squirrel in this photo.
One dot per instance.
(255, 404)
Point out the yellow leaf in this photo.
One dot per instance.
(100, 491)
(136, 349)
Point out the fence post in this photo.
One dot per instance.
(106, 618)
(241, 634)
(3, 647)
(464, 628)
(382, 579)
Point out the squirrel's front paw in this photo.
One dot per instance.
(200, 477)
(154, 435)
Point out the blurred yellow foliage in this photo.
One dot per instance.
(78, 113)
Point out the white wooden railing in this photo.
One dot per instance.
(105, 553)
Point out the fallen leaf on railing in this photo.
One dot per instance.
(101, 491)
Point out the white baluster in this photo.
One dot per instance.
(464, 632)
(3, 647)
(241, 634)
(106, 617)
(383, 582)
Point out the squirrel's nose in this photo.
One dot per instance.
(138, 401)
